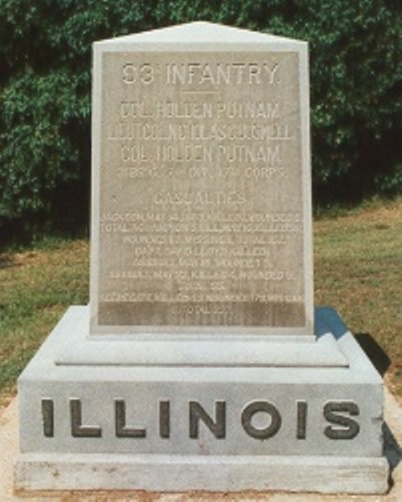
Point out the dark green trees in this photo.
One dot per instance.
(45, 81)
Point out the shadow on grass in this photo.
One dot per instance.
(5, 261)
(382, 362)
(374, 352)
(392, 450)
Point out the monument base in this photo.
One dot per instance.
(179, 473)
(142, 423)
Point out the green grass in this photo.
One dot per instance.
(37, 286)
(358, 271)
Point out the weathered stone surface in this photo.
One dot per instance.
(212, 473)
(301, 400)
(201, 183)
(163, 419)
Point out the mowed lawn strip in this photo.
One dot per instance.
(358, 271)
(37, 286)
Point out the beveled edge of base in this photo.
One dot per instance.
(70, 345)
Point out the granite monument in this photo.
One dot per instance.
(201, 363)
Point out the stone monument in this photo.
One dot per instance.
(200, 363)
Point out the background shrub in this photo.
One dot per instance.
(45, 81)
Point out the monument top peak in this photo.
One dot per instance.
(200, 32)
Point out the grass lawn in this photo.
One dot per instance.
(37, 286)
(358, 271)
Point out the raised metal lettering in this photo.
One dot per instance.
(120, 422)
(261, 407)
(301, 419)
(217, 427)
(77, 429)
(48, 417)
(347, 427)
(164, 419)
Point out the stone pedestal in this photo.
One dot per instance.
(308, 418)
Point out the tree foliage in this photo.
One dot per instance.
(45, 82)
